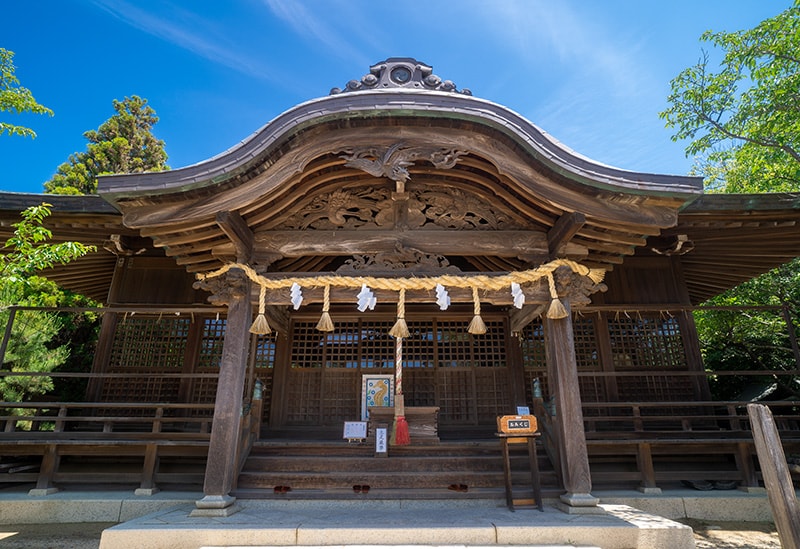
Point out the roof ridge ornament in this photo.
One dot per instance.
(400, 72)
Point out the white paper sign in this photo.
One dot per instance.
(355, 429)
(380, 440)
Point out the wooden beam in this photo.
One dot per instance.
(235, 227)
(538, 294)
(563, 231)
(522, 317)
(278, 318)
(443, 242)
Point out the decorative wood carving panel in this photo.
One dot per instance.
(425, 206)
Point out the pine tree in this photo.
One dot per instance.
(122, 144)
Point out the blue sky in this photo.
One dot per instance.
(593, 73)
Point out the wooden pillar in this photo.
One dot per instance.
(563, 375)
(222, 466)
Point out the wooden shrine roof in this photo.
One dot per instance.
(384, 163)
(402, 164)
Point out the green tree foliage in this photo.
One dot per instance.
(37, 340)
(122, 144)
(743, 121)
(745, 117)
(14, 98)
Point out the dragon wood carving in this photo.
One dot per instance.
(393, 162)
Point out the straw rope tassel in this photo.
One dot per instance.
(260, 324)
(400, 328)
(325, 323)
(556, 309)
(477, 326)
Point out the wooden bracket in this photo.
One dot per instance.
(235, 228)
(562, 232)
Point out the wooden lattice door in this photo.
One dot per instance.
(465, 375)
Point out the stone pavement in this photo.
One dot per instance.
(631, 519)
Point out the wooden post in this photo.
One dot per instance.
(563, 375)
(12, 313)
(221, 467)
(778, 481)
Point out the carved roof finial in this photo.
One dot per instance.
(400, 72)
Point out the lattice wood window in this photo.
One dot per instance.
(264, 362)
(211, 343)
(204, 390)
(150, 345)
(649, 343)
(593, 388)
(534, 359)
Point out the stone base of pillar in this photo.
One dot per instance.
(579, 504)
(215, 506)
(37, 492)
(145, 491)
(650, 490)
(753, 489)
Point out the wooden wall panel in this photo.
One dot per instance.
(644, 281)
(156, 281)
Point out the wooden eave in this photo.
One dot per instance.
(504, 160)
(87, 219)
(733, 238)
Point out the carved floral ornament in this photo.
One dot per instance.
(512, 281)
(358, 207)
(402, 258)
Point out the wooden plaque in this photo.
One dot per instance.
(517, 425)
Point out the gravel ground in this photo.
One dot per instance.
(707, 535)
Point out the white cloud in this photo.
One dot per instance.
(182, 35)
(316, 26)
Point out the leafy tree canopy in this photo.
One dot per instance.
(28, 251)
(39, 341)
(744, 124)
(122, 144)
(14, 98)
(745, 117)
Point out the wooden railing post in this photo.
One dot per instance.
(780, 489)
(12, 313)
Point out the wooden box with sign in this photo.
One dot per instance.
(517, 425)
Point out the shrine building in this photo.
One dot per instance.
(399, 248)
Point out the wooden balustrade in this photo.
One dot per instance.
(143, 431)
(678, 429)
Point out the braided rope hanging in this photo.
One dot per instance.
(402, 284)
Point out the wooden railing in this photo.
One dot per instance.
(145, 432)
(673, 430)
